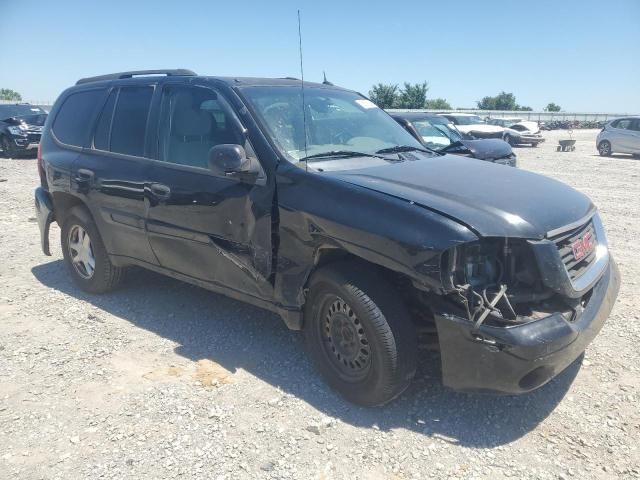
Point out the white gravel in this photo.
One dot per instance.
(163, 380)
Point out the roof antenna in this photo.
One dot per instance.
(304, 110)
(325, 81)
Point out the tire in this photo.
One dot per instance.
(104, 276)
(508, 139)
(604, 148)
(534, 145)
(359, 334)
(8, 149)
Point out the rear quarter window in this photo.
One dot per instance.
(73, 121)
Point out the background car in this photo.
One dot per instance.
(620, 136)
(473, 125)
(518, 132)
(436, 133)
(20, 128)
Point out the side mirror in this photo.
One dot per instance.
(228, 160)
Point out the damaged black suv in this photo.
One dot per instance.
(315, 204)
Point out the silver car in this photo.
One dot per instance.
(620, 136)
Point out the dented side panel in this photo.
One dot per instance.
(319, 213)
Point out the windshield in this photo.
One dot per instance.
(468, 120)
(436, 134)
(336, 121)
(8, 111)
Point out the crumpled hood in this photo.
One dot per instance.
(37, 120)
(489, 199)
(488, 149)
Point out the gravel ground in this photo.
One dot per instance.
(162, 380)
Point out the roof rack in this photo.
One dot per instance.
(179, 72)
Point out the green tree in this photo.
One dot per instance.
(437, 104)
(413, 95)
(11, 95)
(524, 109)
(384, 95)
(552, 107)
(502, 101)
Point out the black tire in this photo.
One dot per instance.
(8, 149)
(534, 145)
(105, 276)
(604, 148)
(382, 327)
(507, 138)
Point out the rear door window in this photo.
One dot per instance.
(103, 129)
(73, 120)
(129, 123)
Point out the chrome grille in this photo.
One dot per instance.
(563, 241)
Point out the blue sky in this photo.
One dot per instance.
(582, 54)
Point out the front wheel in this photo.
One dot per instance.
(8, 149)
(85, 255)
(359, 334)
(604, 148)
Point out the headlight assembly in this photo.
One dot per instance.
(493, 279)
(17, 130)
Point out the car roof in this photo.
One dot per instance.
(456, 114)
(415, 115)
(144, 76)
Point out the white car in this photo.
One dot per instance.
(473, 125)
(518, 131)
(620, 136)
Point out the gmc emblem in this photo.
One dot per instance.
(583, 246)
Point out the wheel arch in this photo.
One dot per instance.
(64, 203)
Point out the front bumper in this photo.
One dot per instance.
(521, 358)
(44, 214)
(24, 143)
(532, 139)
(511, 160)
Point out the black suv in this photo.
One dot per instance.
(20, 128)
(312, 202)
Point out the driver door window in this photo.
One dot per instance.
(192, 121)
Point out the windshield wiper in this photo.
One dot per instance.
(338, 154)
(403, 148)
(456, 144)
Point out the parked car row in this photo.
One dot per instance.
(437, 133)
(310, 201)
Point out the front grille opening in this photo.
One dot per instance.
(564, 241)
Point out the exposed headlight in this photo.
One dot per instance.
(20, 130)
(493, 278)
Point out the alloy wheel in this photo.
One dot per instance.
(81, 252)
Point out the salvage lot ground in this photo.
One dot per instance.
(162, 380)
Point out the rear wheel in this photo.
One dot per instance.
(604, 148)
(359, 334)
(85, 254)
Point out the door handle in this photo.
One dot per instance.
(84, 178)
(160, 191)
(84, 175)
